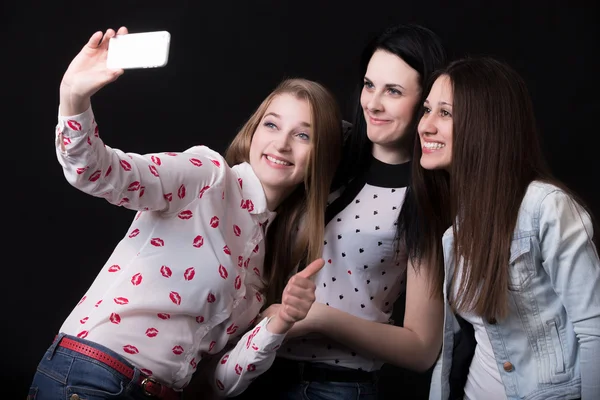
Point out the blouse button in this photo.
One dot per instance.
(508, 366)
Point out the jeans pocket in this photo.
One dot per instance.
(32, 393)
(93, 393)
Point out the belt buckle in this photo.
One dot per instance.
(145, 382)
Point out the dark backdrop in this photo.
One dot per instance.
(225, 57)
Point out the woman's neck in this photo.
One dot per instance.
(390, 155)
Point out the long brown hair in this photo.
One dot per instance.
(297, 232)
(496, 154)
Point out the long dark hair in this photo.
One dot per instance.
(496, 154)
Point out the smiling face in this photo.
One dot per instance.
(389, 97)
(436, 126)
(281, 145)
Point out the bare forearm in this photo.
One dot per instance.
(388, 343)
(71, 103)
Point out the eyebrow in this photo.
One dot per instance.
(388, 85)
(441, 103)
(305, 124)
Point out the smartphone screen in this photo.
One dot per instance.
(139, 50)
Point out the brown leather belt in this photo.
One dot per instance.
(150, 387)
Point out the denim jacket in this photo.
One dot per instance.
(548, 347)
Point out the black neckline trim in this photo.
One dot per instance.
(388, 175)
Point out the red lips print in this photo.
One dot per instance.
(238, 369)
(175, 298)
(163, 315)
(153, 170)
(134, 186)
(157, 242)
(97, 303)
(151, 332)
(198, 241)
(249, 205)
(156, 160)
(251, 367)
(82, 299)
(226, 250)
(82, 334)
(241, 182)
(240, 261)
(136, 279)
(210, 298)
(96, 131)
(236, 230)
(185, 214)
(246, 263)
(211, 346)
(142, 192)
(134, 233)
(224, 359)
(177, 350)
(125, 165)
(258, 297)
(204, 189)
(168, 196)
(146, 371)
(196, 162)
(129, 349)
(81, 170)
(115, 318)
(214, 221)
(84, 320)
(231, 329)
(256, 271)
(193, 363)
(170, 153)
(166, 271)
(121, 300)
(238, 283)
(223, 272)
(108, 171)
(181, 192)
(199, 319)
(220, 385)
(89, 141)
(95, 176)
(255, 249)
(124, 200)
(74, 125)
(218, 164)
(189, 274)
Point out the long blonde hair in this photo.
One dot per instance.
(290, 238)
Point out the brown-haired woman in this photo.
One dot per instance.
(188, 277)
(520, 265)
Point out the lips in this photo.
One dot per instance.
(156, 160)
(251, 367)
(231, 329)
(225, 358)
(175, 298)
(166, 271)
(198, 241)
(238, 369)
(129, 349)
(189, 274)
(223, 272)
(258, 297)
(236, 230)
(95, 176)
(204, 189)
(134, 233)
(115, 318)
(121, 300)
(151, 332)
(168, 196)
(82, 300)
(256, 270)
(82, 334)
(214, 221)
(136, 279)
(153, 170)
(108, 171)
(81, 170)
(181, 192)
(74, 125)
(226, 250)
(157, 242)
(220, 385)
(210, 298)
(84, 320)
(134, 186)
(125, 165)
(196, 162)
(199, 319)
(211, 345)
(193, 363)
(177, 350)
(185, 214)
(163, 315)
(217, 164)
(238, 282)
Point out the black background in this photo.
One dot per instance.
(225, 57)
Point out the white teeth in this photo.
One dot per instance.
(276, 161)
(433, 145)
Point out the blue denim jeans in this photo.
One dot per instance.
(331, 391)
(64, 374)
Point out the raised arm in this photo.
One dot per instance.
(157, 182)
(416, 345)
(571, 260)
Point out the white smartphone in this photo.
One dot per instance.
(139, 50)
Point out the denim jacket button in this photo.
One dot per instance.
(508, 366)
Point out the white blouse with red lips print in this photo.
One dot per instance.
(184, 280)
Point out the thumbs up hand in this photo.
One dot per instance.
(297, 299)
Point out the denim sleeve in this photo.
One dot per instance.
(571, 260)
